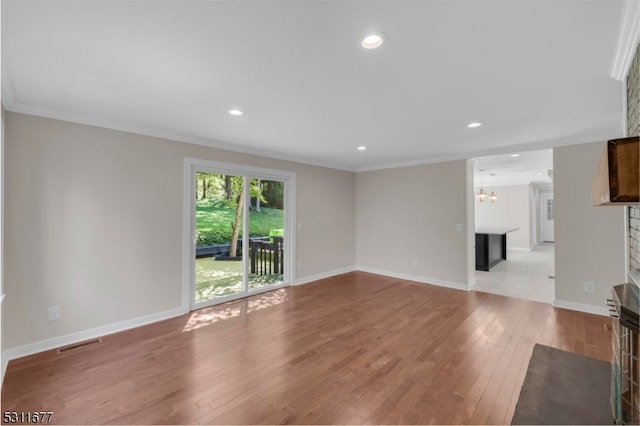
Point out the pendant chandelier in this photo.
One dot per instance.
(482, 194)
(493, 197)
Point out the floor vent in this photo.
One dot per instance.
(552, 277)
(79, 346)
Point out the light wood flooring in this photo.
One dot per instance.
(352, 349)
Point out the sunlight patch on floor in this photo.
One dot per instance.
(213, 314)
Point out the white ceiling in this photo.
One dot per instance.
(535, 72)
(528, 167)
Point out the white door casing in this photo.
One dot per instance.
(191, 165)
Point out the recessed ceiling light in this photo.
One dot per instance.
(362, 148)
(372, 40)
(515, 155)
(474, 124)
(235, 112)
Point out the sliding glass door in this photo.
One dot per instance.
(241, 221)
(266, 239)
(218, 209)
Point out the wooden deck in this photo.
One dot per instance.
(352, 349)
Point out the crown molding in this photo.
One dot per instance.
(113, 125)
(533, 146)
(628, 39)
(162, 134)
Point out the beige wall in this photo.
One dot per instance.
(406, 222)
(93, 223)
(511, 209)
(590, 240)
(4, 362)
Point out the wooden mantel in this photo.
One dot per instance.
(617, 179)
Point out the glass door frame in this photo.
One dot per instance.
(193, 165)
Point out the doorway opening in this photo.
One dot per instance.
(523, 203)
(238, 231)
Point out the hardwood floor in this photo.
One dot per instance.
(353, 349)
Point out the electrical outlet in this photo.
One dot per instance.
(299, 266)
(459, 227)
(589, 286)
(414, 263)
(54, 313)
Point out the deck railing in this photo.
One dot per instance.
(266, 256)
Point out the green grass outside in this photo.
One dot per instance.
(218, 278)
(216, 215)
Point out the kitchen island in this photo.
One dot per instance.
(491, 246)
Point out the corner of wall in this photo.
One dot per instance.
(5, 364)
(471, 228)
(328, 274)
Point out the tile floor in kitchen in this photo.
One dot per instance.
(524, 275)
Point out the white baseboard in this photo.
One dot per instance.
(424, 280)
(472, 284)
(312, 278)
(56, 342)
(520, 248)
(590, 309)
